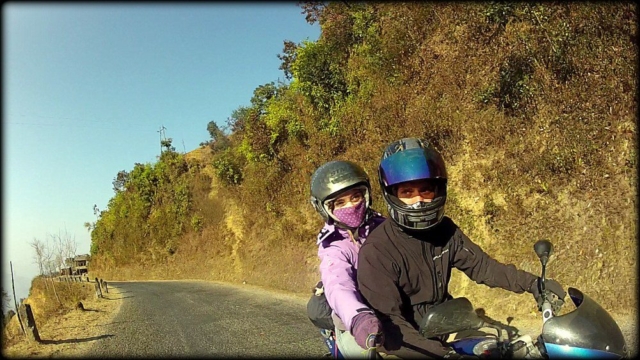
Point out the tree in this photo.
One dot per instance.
(238, 119)
(288, 57)
(65, 247)
(219, 140)
(262, 94)
(50, 258)
(43, 258)
(92, 225)
(6, 301)
(7, 311)
(120, 181)
(319, 70)
(42, 254)
(312, 10)
(166, 143)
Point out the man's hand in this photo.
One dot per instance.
(363, 326)
(552, 287)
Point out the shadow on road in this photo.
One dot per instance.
(74, 341)
(111, 323)
(124, 297)
(94, 310)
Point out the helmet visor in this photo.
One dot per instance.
(363, 192)
(412, 164)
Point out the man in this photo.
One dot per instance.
(405, 265)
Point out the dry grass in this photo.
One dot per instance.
(202, 154)
(66, 334)
(49, 298)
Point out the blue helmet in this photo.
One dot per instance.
(406, 160)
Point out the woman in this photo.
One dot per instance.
(341, 194)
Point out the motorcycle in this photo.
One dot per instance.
(589, 331)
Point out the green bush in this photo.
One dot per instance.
(227, 168)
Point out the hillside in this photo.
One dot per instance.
(532, 105)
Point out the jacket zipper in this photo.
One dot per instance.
(438, 276)
(430, 260)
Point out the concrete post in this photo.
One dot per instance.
(30, 328)
(98, 290)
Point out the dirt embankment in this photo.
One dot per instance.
(64, 329)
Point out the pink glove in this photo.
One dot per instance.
(365, 325)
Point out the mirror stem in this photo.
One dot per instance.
(542, 285)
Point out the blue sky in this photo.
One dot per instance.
(87, 86)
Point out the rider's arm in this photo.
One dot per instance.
(339, 280)
(378, 277)
(483, 269)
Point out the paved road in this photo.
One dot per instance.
(194, 318)
(206, 319)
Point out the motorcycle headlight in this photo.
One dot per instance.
(485, 347)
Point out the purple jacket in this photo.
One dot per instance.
(338, 265)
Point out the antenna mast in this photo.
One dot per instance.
(162, 136)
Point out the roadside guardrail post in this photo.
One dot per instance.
(31, 329)
(98, 289)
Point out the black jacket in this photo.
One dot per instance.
(401, 276)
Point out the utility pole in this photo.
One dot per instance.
(16, 301)
(161, 131)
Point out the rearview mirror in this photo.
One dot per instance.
(449, 317)
(543, 249)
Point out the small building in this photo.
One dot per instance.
(77, 265)
(80, 264)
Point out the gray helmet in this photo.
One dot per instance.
(335, 177)
(406, 160)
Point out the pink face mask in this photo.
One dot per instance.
(351, 216)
